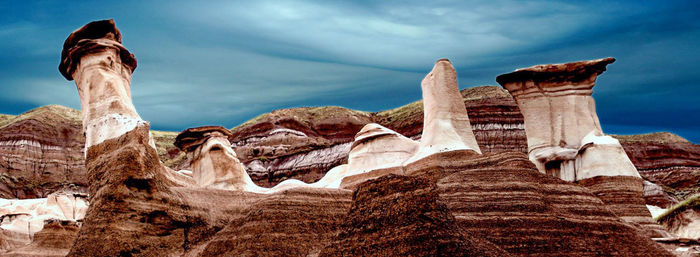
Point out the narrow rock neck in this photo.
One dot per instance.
(104, 86)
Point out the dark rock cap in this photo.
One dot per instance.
(81, 42)
(189, 139)
(573, 71)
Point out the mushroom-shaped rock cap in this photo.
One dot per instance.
(571, 72)
(83, 41)
(189, 139)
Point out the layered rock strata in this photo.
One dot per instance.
(41, 151)
(667, 160)
(298, 222)
(503, 198)
(565, 138)
(301, 143)
(402, 216)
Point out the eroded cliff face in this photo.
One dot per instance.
(41, 151)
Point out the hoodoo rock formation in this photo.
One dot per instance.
(565, 138)
(447, 199)
(446, 124)
(213, 161)
(94, 57)
(138, 207)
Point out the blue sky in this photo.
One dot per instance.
(221, 63)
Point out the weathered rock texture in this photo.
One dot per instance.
(55, 239)
(402, 216)
(446, 124)
(213, 161)
(565, 138)
(667, 160)
(503, 198)
(297, 222)
(300, 143)
(41, 152)
(563, 131)
(304, 143)
(22, 219)
(94, 57)
(376, 147)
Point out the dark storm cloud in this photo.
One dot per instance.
(225, 62)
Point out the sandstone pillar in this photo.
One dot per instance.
(446, 124)
(565, 138)
(213, 161)
(94, 57)
(563, 131)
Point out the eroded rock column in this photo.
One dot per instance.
(94, 57)
(565, 138)
(446, 124)
(563, 131)
(213, 161)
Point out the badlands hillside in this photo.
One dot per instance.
(42, 148)
(524, 169)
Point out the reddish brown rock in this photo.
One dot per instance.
(624, 195)
(55, 239)
(41, 152)
(667, 160)
(297, 222)
(402, 216)
(301, 143)
(503, 198)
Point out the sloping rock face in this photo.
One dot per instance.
(402, 216)
(503, 198)
(41, 151)
(297, 222)
(624, 196)
(667, 160)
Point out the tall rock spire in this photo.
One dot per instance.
(94, 57)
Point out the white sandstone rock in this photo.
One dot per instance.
(564, 136)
